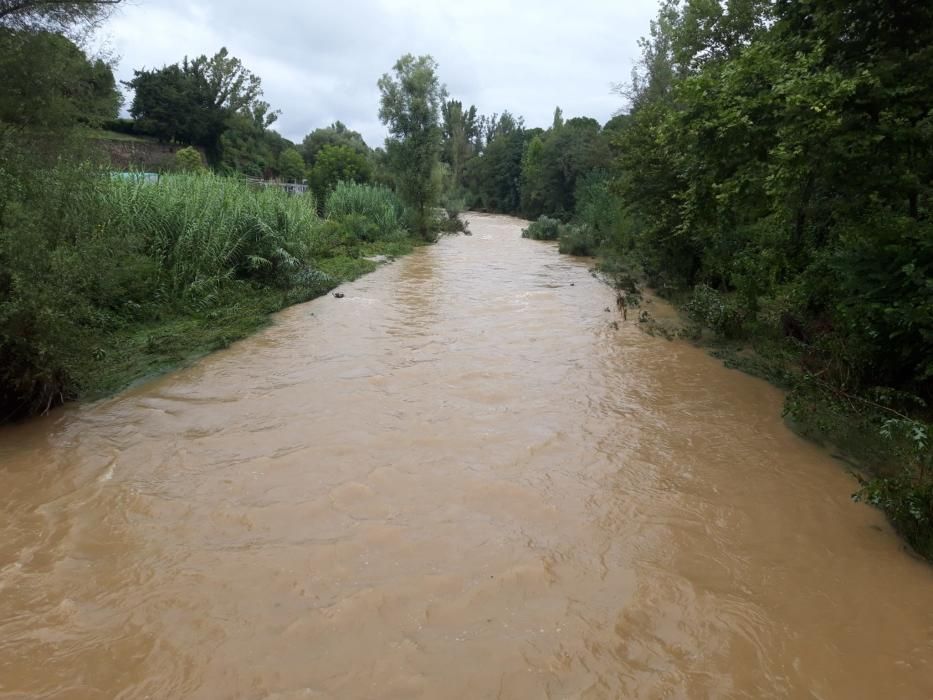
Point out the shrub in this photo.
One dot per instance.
(189, 160)
(544, 229)
(716, 311)
(907, 500)
(577, 240)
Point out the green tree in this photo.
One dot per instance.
(411, 107)
(337, 163)
(49, 15)
(249, 146)
(337, 134)
(47, 81)
(556, 161)
(461, 128)
(495, 176)
(194, 101)
(291, 165)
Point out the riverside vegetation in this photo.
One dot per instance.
(771, 176)
(106, 277)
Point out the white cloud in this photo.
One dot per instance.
(319, 61)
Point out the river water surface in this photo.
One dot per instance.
(459, 481)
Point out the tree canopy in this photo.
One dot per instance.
(337, 134)
(194, 101)
(49, 15)
(48, 81)
(337, 163)
(411, 108)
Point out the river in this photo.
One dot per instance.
(458, 481)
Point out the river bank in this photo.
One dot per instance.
(107, 280)
(138, 353)
(880, 447)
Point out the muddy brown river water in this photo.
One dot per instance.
(459, 481)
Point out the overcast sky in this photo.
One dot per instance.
(319, 60)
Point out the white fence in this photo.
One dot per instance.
(290, 187)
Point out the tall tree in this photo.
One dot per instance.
(291, 165)
(337, 164)
(249, 146)
(495, 176)
(461, 128)
(411, 108)
(337, 134)
(194, 101)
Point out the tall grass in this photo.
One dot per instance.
(86, 260)
(205, 230)
(376, 205)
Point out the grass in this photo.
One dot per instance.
(145, 350)
(105, 281)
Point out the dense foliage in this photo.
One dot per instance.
(46, 81)
(411, 108)
(375, 212)
(335, 164)
(194, 101)
(337, 134)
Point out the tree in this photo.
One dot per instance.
(47, 81)
(555, 163)
(48, 15)
(291, 165)
(337, 164)
(337, 134)
(410, 107)
(495, 176)
(194, 101)
(558, 119)
(461, 128)
(249, 146)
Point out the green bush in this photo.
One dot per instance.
(577, 239)
(716, 311)
(544, 229)
(189, 160)
(907, 500)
